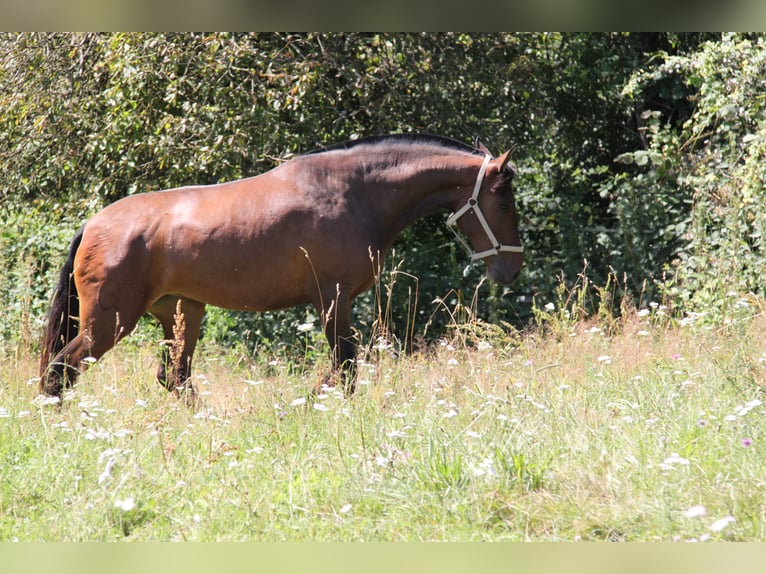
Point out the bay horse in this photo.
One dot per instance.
(314, 229)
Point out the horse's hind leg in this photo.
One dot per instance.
(100, 331)
(66, 366)
(181, 319)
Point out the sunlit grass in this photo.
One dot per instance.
(643, 430)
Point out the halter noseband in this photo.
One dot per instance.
(473, 205)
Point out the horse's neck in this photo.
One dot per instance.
(416, 189)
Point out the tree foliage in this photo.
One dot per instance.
(638, 153)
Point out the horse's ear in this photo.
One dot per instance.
(503, 160)
(480, 146)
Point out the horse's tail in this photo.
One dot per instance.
(62, 322)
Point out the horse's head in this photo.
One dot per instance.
(488, 218)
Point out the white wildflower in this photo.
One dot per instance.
(44, 400)
(673, 459)
(720, 524)
(382, 344)
(125, 505)
(742, 410)
(91, 434)
(252, 382)
(485, 468)
(695, 511)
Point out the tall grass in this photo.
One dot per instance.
(629, 425)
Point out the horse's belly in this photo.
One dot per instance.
(233, 287)
(254, 299)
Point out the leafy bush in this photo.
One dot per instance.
(706, 176)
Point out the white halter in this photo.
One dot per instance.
(473, 205)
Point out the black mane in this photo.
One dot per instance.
(413, 139)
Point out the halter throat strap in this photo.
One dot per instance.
(473, 205)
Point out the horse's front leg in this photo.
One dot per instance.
(344, 362)
(181, 319)
(336, 318)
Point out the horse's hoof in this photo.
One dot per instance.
(187, 395)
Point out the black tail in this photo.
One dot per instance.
(62, 324)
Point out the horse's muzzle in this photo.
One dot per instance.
(502, 274)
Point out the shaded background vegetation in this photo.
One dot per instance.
(640, 155)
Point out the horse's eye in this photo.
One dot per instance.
(503, 206)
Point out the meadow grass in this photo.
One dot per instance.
(638, 429)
